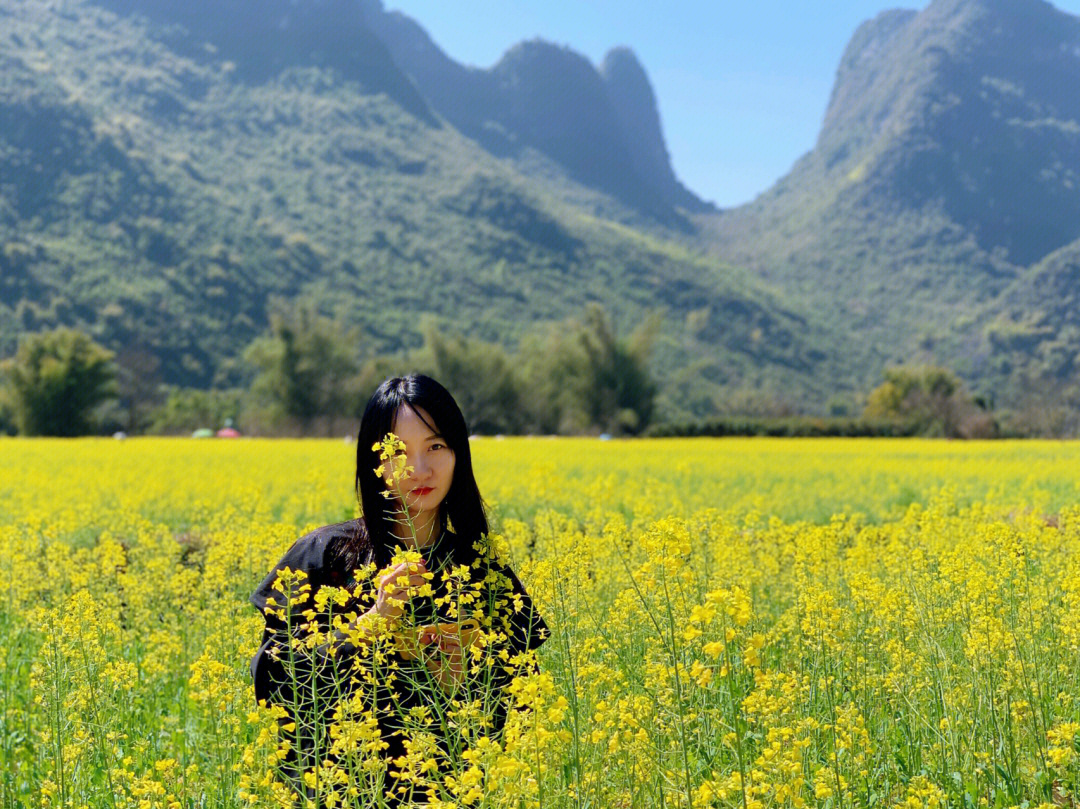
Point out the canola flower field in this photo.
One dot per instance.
(735, 623)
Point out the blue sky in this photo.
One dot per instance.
(742, 87)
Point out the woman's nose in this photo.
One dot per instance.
(420, 468)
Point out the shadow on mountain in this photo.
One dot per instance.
(264, 38)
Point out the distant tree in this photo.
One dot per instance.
(1048, 407)
(623, 394)
(7, 411)
(481, 377)
(930, 398)
(139, 380)
(583, 377)
(304, 365)
(187, 409)
(56, 379)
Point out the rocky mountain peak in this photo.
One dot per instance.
(601, 124)
(631, 96)
(969, 107)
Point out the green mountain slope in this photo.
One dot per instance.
(1033, 336)
(159, 182)
(262, 39)
(946, 165)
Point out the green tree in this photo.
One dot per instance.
(7, 412)
(932, 399)
(56, 379)
(187, 409)
(582, 376)
(139, 382)
(480, 375)
(305, 366)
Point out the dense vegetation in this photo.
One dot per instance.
(55, 381)
(166, 178)
(577, 377)
(161, 200)
(938, 214)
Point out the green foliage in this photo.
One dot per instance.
(139, 387)
(7, 412)
(165, 198)
(935, 216)
(190, 197)
(790, 427)
(581, 377)
(577, 378)
(616, 383)
(185, 410)
(56, 379)
(931, 401)
(481, 377)
(304, 365)
(574, 377)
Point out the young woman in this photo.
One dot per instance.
(431, 505)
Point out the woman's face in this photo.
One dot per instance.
(430, 457)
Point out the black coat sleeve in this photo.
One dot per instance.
(269, 667)
(517, 615)
(529, 630)
(268, 670)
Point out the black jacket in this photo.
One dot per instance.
(329, 677)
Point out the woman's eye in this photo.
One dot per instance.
(437, 445)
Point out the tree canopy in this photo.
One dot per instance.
(930, 398)
(56, 379)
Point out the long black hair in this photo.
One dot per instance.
(463, 507)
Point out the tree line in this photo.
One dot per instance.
(306, 376)
(912, 400)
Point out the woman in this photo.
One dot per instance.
(398, 641)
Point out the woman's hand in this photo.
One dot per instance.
(396, 587)
(444, 658)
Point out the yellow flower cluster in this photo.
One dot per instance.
(394, 466)
(744, 624)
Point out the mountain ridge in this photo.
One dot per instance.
(622, 132)
(946, 166)
(277, 34)
(227, 191)
(936, 219)
(579, 126)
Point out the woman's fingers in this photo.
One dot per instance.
(450, 646)
(403, 583)
(404, 592)
(403, 580)
(412, 570)
(444, 643)
(398, 585)
(445, 662)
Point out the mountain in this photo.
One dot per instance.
(602, 124)
(166, 169)
(222, 154)
(631, 96)
(978, 113)
(946, 166)
(262, 39)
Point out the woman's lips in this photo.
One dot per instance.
(422, 490)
